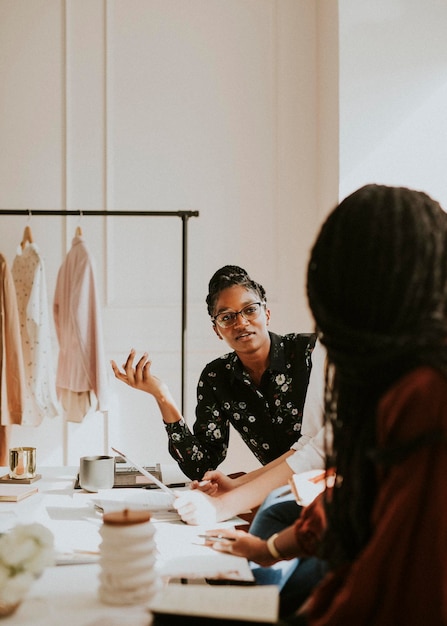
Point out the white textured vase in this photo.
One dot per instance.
(127, 558)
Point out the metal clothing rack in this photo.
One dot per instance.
(183, 215)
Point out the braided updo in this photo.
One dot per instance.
(228, 276)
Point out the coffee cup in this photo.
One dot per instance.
(96, 472)
(22, 463)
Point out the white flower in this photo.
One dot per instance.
(280, 379)
(25, 551)
(196, 455)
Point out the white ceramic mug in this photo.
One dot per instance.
(22, 463)
(96, 472)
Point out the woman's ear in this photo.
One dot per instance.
(267, 316)
(216, 330)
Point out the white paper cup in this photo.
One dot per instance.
(96, 472)
(22, 462)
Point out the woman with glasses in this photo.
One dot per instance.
(259, 387)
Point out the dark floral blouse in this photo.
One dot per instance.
(268, 417)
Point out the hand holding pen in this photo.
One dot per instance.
(238, 543)
(220, 540)
(214, 483)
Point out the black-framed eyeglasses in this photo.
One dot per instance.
(228, 318)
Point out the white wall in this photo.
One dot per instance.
(393, 94)
(228, 108)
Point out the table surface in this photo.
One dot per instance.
(69, 593)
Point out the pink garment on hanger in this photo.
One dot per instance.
(81, 364)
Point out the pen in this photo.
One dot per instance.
(217, 538)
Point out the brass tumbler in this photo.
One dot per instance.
(22, 462)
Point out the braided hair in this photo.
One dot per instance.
(228, 276)
(377, 288)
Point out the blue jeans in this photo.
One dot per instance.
(295, 578)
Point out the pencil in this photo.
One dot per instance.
(217, 538)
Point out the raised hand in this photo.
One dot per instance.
(138, 376)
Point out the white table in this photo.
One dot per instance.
(68, 594)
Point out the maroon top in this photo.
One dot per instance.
(401, 575)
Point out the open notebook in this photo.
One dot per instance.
(189, 604)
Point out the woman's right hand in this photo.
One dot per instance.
(138, 376)
(214, 483)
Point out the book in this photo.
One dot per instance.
(6, 479)
(306, 486)
(258, 604)
(15, 493)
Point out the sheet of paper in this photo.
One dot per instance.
(253, 604)
(188, 557)
(81, 557)
(118, 499)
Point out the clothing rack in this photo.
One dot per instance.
(183, 215)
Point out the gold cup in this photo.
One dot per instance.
(22, 462)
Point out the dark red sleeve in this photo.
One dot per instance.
(309, 527)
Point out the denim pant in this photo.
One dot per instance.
(295, 578)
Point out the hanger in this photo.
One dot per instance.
(27, 234)
(78, 228)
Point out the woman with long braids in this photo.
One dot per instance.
(377, 288)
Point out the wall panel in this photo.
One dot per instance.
(161, 105)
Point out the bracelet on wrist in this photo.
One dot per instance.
(272, 548)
